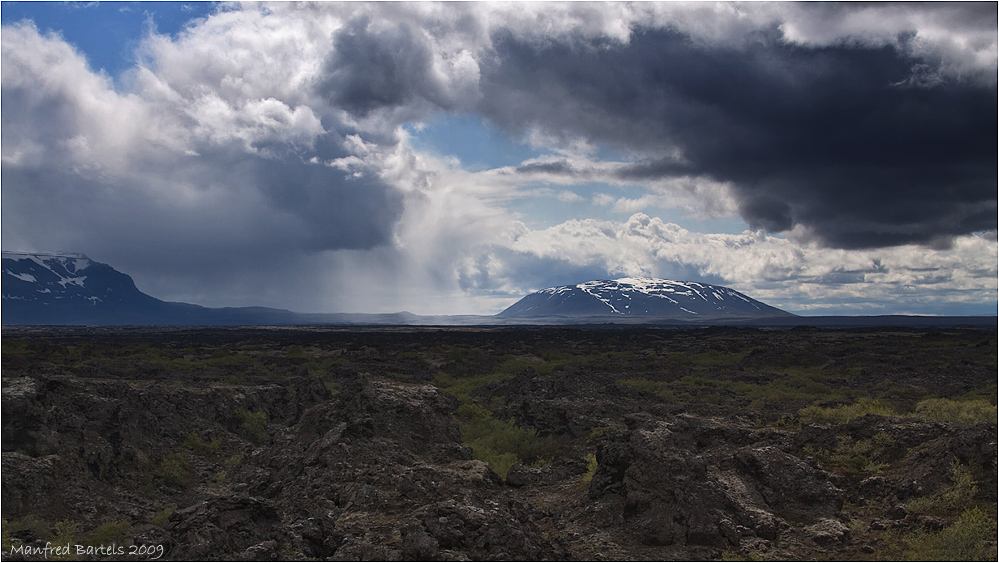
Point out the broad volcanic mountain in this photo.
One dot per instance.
(641, 297)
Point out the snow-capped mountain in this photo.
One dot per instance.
(70, 288)
(42, 288)
(63, 278)
(641, 297)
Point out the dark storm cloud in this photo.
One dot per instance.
(382, 66)
(560, 167)
(764, 212)
(370, 69)
(268, 217)
(852, 142)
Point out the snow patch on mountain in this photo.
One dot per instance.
(636, 296)
(23, 277)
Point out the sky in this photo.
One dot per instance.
(826, 159)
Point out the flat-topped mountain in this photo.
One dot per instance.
(60, 288)
(641, 297)
(69, 288)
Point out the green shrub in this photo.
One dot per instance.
(251, 425)
(951, 500)
(591, 467)
(961, 412)
(232, 461)
(971, 538)
(65, 534)
(659, 388)
(195, 443)
(463, 386)
(860, 457)
(500, 462)
(500, 443)
(34, 524)
(844, 413)
(175, 470)
(108, 533)
(162, 518)
(7, 542)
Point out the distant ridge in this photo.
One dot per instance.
(641, 297)
(69, 288)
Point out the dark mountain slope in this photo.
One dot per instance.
(66, 289)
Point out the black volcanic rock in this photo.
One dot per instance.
(641, 297)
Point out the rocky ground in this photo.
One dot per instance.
(647, 444)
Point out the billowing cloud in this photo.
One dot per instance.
(800, 277)
(201, 179)
(260, 156)
(842, 138)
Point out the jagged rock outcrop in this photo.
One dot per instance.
(365, 461)
(380, 473)
(686, 481)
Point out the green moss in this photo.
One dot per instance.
(232, 461)
(462, 387)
